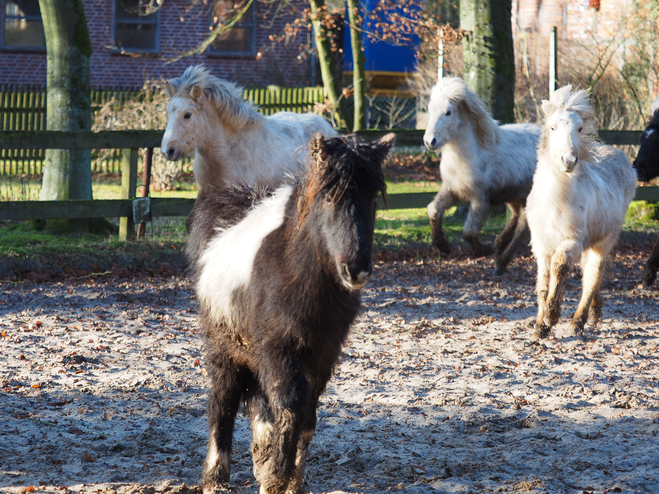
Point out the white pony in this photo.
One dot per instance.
(581, 191)
(232, 142)
(482, 163)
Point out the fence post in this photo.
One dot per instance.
(553, 46)
(128, 187)
(146, 183)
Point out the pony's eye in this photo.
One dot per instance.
(448, 113)
(580, 129)
(187, 115)
(553, 128)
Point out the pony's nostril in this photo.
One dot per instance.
(433, 143)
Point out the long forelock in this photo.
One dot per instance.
(578, 101)
(456, 91)
(564, 99)
(333, 179)
(225, 95)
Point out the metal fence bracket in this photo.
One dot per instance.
(141, 209)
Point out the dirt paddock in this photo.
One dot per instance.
(441, 388)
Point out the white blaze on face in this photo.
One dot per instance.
(227, 262)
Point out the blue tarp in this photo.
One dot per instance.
(380, 56)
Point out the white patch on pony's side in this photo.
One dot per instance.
(648, 133)
(227, 262)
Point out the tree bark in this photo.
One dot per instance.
(331, 82)
(67, 173)
(358, 66)
(489, 54)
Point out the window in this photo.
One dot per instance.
(23, 26)
(239, 41)
(133, 30)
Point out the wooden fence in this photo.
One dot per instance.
(24, 109)
(132, 210)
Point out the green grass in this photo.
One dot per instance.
(166, 237)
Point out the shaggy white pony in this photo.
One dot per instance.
(581, 191)
(231, 141)
(482, 163)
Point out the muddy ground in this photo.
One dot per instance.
(441, 388)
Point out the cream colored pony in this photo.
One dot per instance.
(482, 163)
(231, 141)
(581, 191)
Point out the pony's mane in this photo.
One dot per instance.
(338, 163)
(225, 96)
(564, 99)
(485, 127)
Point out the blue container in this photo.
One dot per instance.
(381, 57)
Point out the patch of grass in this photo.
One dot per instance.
(411, 186)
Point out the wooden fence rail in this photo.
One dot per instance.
(132, 210)
(23, 108)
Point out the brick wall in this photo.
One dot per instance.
(278, 63)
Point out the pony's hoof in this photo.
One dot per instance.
(500, 271)
(575, 329)
(215, 488)
(483, 250)
(648, 278)
(444, 247)
(542, 331)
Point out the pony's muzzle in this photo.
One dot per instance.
(431, 142)
(569, 162)
(171, 153)
(354, 277)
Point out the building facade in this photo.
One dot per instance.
(132, 47)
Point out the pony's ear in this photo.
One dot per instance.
(170, 89)
(318, 147)
(196, 92)
(382, 147)
(548, 108)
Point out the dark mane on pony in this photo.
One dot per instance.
(337, 164)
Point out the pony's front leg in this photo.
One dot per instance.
(651, 267)
(593, 265)
(284, 383)
(223, 402)
(561, 261)
(443, 200)
(477, 211)
(542, 288)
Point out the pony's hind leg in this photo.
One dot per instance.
(651, 266)
(225, 395)
(592, 266)
(477, 211)
(505, 249)
(442, 201)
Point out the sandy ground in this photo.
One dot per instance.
(441, 388)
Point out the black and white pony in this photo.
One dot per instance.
(483, 164)
(278, 278)
(647, 168)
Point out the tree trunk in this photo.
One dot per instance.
(489, 54)
(331, 82)
(358, 66)
(67, 173)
